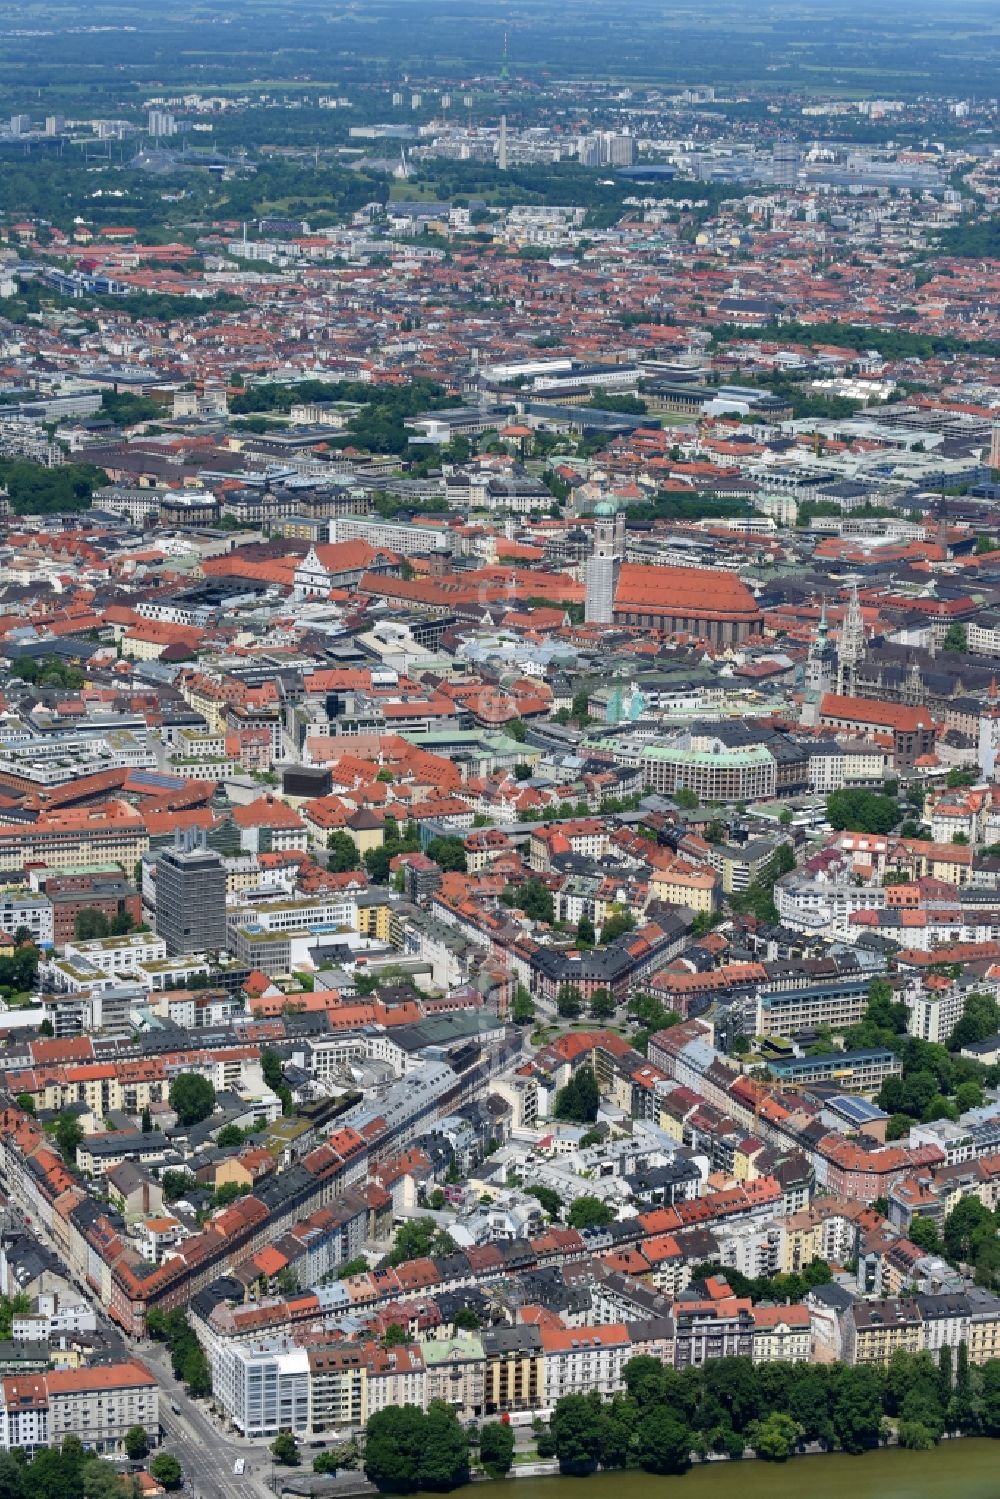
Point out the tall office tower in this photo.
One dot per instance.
(603, 565)
(55, 124)
(617, 150)
(20, 124)
(502, 145)
(191, 896)
(785, 163)
(588, 150)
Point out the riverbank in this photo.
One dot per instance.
(966, 1468)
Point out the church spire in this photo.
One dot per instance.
(989, 734)
(852, 645)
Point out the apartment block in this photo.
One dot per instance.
(97, 1404)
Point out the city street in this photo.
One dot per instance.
(206, 1456)
(205, 1453)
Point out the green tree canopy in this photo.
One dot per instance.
(547, 1197)
(663, 1442)
(417, 1238)
(569, 1001)
(89, 923)
(980, 1019)
(407, 1449)
(579, 1101)
(167, 1470)
(394, 1441)
(445, 1460)
(775, 1438)
(576, 1429)
(192, 1097)
(136, 1443)
(602, 1004)
(285, 1449)
(69, 1135)
(37, 490)
(589, 1211)
(857, 1407)
(342, 852)
(496, 1448)
(533, 897)
(616, 926)
(522, 1010)
(862, 811)
(448, 852)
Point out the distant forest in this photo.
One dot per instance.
(69, 50)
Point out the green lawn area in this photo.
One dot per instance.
(20, 1000)
(674, 419)
(603, 1025)
(282, 205)
(402, 191)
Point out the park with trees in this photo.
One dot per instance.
(407, 1449)
(665, 1419)
(35, 489)
(860, 811)
(71, 1471)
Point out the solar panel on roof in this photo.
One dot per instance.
(156, 779)
(857, 1108)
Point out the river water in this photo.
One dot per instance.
(967, 1469)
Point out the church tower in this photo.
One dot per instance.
(604, 565)
(818, 677)
(852, 646)
(989, 734)
(913, 688)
